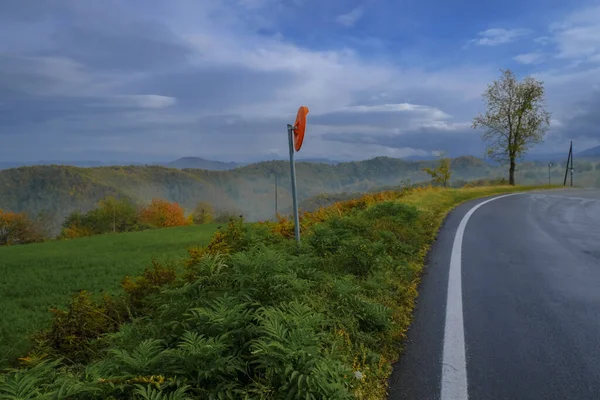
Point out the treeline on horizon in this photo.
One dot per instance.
(112, 215)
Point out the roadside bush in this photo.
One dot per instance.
(236, 237)
(360, 257)
(480, 182)
(140, 288)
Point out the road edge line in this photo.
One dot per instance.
(454, 365)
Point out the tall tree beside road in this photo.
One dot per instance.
(515, 120)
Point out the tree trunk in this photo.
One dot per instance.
(511, 172)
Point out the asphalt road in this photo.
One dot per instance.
(517, 314)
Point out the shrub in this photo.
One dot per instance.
(150, 282)
(224, 216)
(204, 213)
(163, 214)
(360, 257)
(74, 332)
(236, 237)
(17, 228)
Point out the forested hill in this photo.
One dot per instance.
(250, 190)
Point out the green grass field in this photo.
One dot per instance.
(39, 276)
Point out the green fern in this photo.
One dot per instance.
(149, 393)
(68, 387)
(225, 315)
(28, 383)
(144, 359)
(205, 361)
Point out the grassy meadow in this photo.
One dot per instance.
(38, 276)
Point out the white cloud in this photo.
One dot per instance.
(498, 36)
(555, 123)
(350, 18)
(578, 35)
(425, 111)
(148, 101)
(529, 58)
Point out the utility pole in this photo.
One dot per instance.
(569, 161)
(571, 164)
(550, 165)
(114, 215)
(276, 198)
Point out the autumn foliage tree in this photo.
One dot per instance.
(18, 228)
(163, 214)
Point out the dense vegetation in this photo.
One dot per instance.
(252, 315)
(249, 190)
(38, 276)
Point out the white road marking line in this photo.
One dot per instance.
(454, 364)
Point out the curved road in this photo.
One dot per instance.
(512, 312)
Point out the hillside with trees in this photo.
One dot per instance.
(58, 191)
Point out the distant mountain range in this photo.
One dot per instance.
(201, 163)
(182, 163)
(211, 165)
(84, 164)
(594, 152)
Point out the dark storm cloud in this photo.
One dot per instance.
(453, 142)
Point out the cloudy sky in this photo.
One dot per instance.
(146, 80)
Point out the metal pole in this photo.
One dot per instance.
(567, 167)
(293, 173)
(276, 198)
(571, 164)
